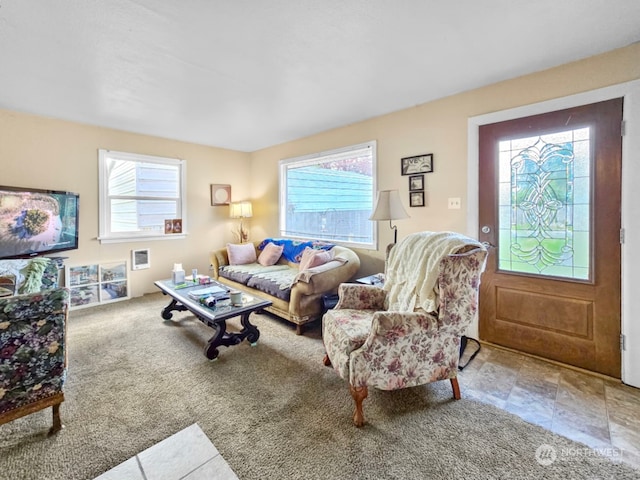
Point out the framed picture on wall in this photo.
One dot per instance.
(416, 183)
(417, 164)
(220, 194)
(416, 199)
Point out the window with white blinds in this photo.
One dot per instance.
(329, 196)
(137, 194)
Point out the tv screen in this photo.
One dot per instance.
(36, 222)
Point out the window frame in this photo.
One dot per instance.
(321, 157)
(105, 235)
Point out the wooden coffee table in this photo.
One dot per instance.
(215, 317)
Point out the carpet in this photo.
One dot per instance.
(273, 411)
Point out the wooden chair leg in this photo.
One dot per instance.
(57, 423)
(456, 388)
(298, 329)
(358, 394)
(325, 361)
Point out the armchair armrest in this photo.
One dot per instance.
(360, 297)
(396, 324)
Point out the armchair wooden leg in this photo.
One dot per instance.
(57, 423)
(299, 329)
(325, 361)
(358, 394)
(456, 388)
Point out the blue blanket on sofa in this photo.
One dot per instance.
(293, 248)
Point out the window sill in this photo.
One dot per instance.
(140, 238)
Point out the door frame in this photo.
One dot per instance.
(630, 91)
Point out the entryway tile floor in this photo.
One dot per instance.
(186, 455)
(602, 413)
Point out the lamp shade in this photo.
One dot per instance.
(388, 206)
(240, 210)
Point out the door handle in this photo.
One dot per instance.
(488, 245)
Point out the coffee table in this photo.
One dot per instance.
(215, 317)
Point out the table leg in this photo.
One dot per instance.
(228, 339)
(250, 331)
(211, 349)
(173, 305)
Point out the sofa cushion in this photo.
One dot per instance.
(293, 248)
(270, 254)
(275, 283)
(314, 258)
(243, 273)
(241, 254)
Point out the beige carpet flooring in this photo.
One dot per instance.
(273, 411)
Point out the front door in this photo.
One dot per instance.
(550, 206)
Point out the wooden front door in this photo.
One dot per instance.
(550, 189)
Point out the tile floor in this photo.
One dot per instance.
(598, 412)
(186, 455)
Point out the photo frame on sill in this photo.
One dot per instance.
(417, 164)
(416, 183)
(416, 199)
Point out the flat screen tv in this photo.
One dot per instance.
(37, 222)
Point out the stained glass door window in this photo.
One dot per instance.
(544, 204)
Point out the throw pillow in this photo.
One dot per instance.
(270, 254)
(241, 254)
(313, 258)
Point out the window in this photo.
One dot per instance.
(137, 194)
(329, 196)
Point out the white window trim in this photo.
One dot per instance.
(103, 200)
(373, 144)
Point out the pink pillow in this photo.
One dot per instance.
(270, 254)
(313, 258)
(241, 254)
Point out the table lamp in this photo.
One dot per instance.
(241, 210)
(389, 207)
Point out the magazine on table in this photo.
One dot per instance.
(215, 290)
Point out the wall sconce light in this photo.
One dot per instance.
(241, 210)
(389, 207)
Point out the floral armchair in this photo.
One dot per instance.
(371, 346)
(33, 353)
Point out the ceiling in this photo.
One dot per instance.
(248, 74)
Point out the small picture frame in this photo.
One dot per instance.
(140, 259)
(417, 164)
(172, 225)
(416, 199)
(416, 183)
(220, 194)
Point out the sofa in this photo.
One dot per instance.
(296, 293)
(33, 321)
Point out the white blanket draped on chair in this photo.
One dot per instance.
(411, 275)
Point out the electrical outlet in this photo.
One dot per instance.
(454, 203)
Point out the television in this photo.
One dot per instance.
(37, 222)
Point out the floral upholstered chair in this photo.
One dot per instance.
(33, 353)
(408, 332)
